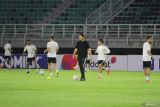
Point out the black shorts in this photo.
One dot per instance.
(7, 57)
(101, 62)
(146, 64)
(52, 60)
(31, 59)
(88, 62)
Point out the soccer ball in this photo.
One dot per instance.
(41, 72)
(75, 77)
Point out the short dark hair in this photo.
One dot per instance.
(82, 35)
(52, 37)
(28, 40)
(101, 40)
(148, 37)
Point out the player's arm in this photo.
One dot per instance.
(75, 52)
(149, 51)
(11, 50)
(48, 48)
(24, 51)
(57, 48)
(35, 49)
(90, 53)
(107, 51)
(150, 54)
(4, 47)
(96, 50)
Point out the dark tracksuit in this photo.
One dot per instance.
(82, 47)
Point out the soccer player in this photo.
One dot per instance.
(82, 49)
(147, 56)
(7, 54)
(52, 49)
(31, 57)
(102, 51)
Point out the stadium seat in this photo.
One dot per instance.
(139, 12)
(33, 11)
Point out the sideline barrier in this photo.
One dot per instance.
(66, 62)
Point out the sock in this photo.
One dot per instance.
(51, 75)
(85, 69)
(146, 78)
(100, 75)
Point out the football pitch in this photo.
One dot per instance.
(120, 89)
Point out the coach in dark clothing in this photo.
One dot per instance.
(82, 49)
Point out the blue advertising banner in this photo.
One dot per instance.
(19, 61)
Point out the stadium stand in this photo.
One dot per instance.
(124, 23)
(139, 12)
(25, 11)
(36, 11)
(78, 11)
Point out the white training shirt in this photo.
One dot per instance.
(7, 49)
(31, 49)
(146, 47)
(52, 46)
(102, 51)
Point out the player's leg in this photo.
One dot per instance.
(106, 67)
(88, 65)
(55, 66)
(56, 69)
(146, 66)
(35, 63)
(9, 62)
(145, 70)
(100, 69)
(29, 60)
(148, 75)
(5, 60)
(49, 68)
(148, 70)
(81, 66)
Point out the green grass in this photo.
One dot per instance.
(120, 89)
